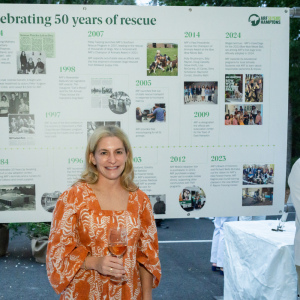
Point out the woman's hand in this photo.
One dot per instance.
(107, 265)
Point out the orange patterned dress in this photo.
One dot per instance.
(80, 228)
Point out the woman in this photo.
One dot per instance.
(254, 112)
(246, 118)
(206, 93)
(23, 61)
(235, 120)
(227, 120)
(203, 93)
(23, 108)
(30, 66)
(4, 105)
(241, 120)
(258, 119)
(79, 264)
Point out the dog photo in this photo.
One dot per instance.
(162, 59)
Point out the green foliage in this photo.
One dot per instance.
(84, 2)
(30, 229)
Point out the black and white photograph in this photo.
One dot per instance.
(243, 114)
(158, 203)
(200, 92)
(258, 174)
(233, 87)
(14, 103)
(192, 198)
(31, 62)
(101, 90)
(119, 102)
(151, 113)
(91, 126)
(49, 200)
(21, 124)
(17, 197)
(254, 88)
(257, 196)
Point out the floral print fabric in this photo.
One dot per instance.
(80, 228)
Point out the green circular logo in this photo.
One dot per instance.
(254, 19)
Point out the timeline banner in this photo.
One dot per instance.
(201, 92)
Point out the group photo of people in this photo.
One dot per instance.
(31, 62)
(162, 59)
(257, 196)
(254, 88)
(119, 102)
(201, 92)
(243, 114)
(233, 87)
(155, 113)
(258, 174)
(14, 103)
(21, 124)
(192, 198)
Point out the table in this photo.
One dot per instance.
(259, 262)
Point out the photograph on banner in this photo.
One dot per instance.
(91, 126)
(119, 102)
(162, 59)
(158, 203)
(14, 103)
(49, 200)
(254, 88)
(4, 105)
(17, 197)
(31, 62)
(151, 113)
(233, 87)
(200, 92)
(257, 196)
(258, 174)
(101, 90)
(38, 41)
(192, 198)
(243, 114)
(21, 124)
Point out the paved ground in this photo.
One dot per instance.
(185, 265)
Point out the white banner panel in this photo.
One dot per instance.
(202, 93)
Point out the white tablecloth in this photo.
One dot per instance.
(259, 262)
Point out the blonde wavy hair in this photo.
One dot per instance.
(90, 174)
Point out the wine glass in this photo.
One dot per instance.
(117, 245)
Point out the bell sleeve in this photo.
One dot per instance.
(64, 255)
(147, 250)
